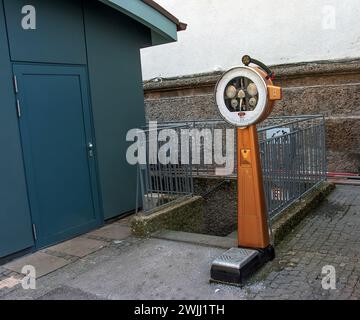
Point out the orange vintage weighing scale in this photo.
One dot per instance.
(245, 96)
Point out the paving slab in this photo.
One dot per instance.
(197, 238)
(43, 263)
(9, 283)
(156, 269)
(68, 293)
(79, 247)
(113, 231)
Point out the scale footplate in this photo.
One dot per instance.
(237, 264)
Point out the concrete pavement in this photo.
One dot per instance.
(134, 268)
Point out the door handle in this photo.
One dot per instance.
(91, 149)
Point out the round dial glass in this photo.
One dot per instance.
(241, 94)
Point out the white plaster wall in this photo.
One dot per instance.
(220, 32)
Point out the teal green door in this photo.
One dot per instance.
(58, 148)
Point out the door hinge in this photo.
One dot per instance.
(16, 85)
(34, 231)
(18, 108)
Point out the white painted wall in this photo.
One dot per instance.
(220, 32)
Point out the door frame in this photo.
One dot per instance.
(20, 68)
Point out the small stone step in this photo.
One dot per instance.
(197, 238)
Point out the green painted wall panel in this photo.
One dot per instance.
(113, 42)
(59, 34)
(165, 29)
(15, 222)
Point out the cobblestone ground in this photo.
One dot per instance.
(328, 236)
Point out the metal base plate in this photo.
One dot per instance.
(237, 264)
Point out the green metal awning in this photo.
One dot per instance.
(163, 25)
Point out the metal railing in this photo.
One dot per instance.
(293, 161)
(161, 184)
(293, 158)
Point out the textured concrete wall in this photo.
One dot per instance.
(331, 88)
(185, 215)
(278, 31)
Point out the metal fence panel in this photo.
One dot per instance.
(162, 184)
(293, 159)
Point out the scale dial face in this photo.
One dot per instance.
(244, 92)
(241, 96)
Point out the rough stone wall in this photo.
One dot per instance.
(331, 88)
(219, 206)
